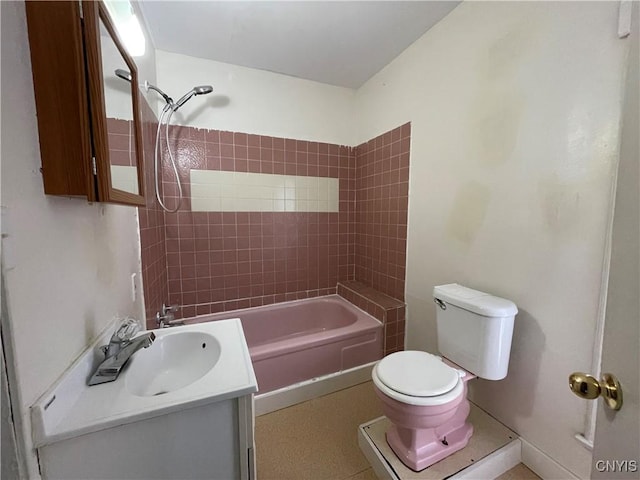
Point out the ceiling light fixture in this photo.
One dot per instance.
(128, 26)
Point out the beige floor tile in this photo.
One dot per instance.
(367, 474)
(519, 472)
(317, 439)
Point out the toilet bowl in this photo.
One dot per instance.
(425, 396)
(426, 401)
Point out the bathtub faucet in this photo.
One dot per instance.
(166, 318)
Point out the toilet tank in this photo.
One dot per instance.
(474, 329)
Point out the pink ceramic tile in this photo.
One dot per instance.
(240, 139)
(226, 138)
(271, 257)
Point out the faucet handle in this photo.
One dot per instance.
(169, 308)
(126, 330)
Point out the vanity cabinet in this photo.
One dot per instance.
(80, 100)
(181, 409)
(212, 441)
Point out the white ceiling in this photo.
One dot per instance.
(341, 43)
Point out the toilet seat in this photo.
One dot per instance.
(417, 378)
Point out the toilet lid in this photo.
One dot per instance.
(418, 374)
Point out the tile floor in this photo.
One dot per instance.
(318, 439)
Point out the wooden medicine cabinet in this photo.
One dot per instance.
(88, 115)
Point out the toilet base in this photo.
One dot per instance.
(421, 448)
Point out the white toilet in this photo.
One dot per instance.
(425, 396)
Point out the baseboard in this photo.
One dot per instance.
(543, 465)
(494, 465)
(309, 389)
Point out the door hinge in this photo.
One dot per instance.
(81, 12)
(94, 168)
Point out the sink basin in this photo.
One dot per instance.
(193, 384)
(174, 361)
(186, 367)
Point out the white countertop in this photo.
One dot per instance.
(71, 408)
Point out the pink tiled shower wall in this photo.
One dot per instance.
(211, 262)
(151, 217)
(120, 141)
(382, 191)
(152, 226)
(390, 311)
(220, 261)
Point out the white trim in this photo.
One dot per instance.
(309, 389)
(27, 462)
(588, 435)
(543, 465)
(493, 465)
(246, 442)
(380, 466)
(586, 443)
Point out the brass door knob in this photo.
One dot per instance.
(588, 387)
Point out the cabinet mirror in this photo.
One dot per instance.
(116, 102)
(87, 101)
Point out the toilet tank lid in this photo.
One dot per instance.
(474, 300)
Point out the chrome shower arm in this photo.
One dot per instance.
(166, 97)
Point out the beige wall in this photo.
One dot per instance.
(255, 101)
(66, 263)
(515, 111)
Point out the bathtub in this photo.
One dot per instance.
(296, 341)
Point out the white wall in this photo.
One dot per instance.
(515, 111)
(256, 101)
(66, 263)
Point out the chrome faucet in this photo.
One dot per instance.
(120, 349)
(166, 318)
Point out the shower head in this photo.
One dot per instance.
(199, 90)
(203, 89)
(123, 74)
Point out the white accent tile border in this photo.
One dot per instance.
(221, 191)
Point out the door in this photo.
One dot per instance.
(616, 451)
